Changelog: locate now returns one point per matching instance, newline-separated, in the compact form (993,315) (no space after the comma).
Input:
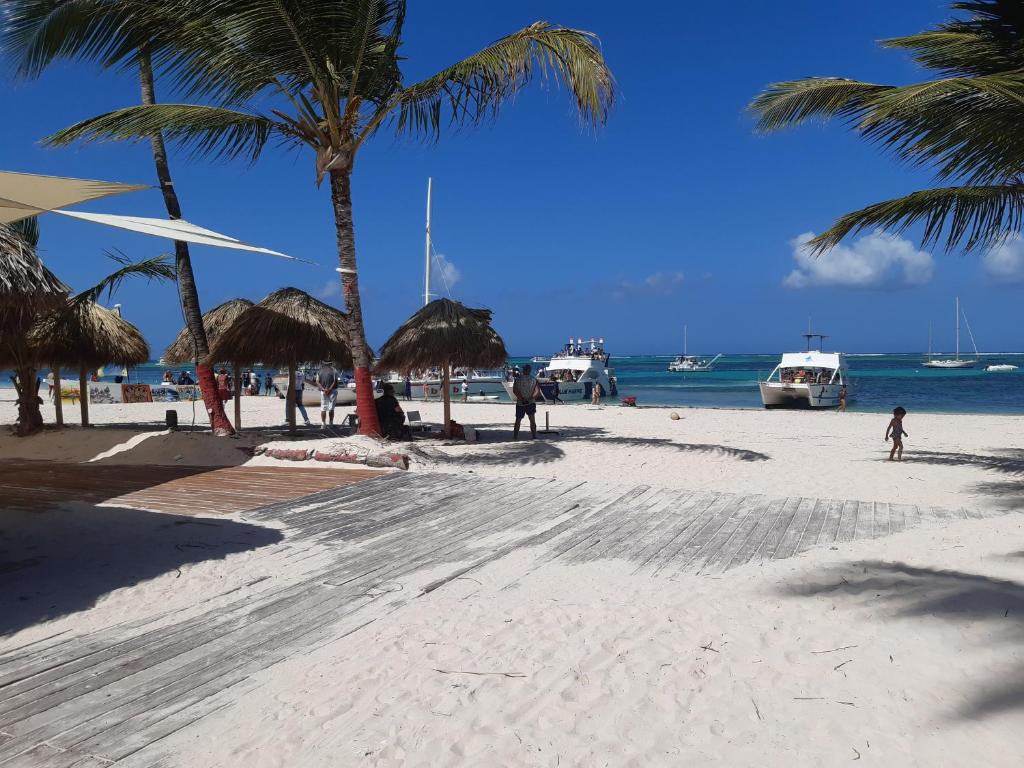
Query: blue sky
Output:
(676,212)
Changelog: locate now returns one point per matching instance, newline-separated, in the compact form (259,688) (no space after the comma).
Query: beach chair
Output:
(415,422)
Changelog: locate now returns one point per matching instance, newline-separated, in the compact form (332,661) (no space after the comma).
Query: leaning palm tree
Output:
(116,33)
(327,76)
(965,124)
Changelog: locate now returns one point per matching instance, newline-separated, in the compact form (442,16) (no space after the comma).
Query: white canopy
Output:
(813,359)
(172,229)
(27,194)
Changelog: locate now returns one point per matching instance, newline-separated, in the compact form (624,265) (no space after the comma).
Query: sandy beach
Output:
(897,650)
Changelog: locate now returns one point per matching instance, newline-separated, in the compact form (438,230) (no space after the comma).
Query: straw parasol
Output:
(215,322)
(286,329)
(445,333)
(27,288)
(83,335)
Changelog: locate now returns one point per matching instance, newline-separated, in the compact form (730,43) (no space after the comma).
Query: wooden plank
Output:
(849,522)
(694,535)
(750,548)
(723,554)
(790,542)
(674,537)
(732,520)
(881,520)
(778,531)
(816,525)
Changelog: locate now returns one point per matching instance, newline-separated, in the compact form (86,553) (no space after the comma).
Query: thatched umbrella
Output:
(445,333)
(215,322)
(287,328)
(27,288)
(84,335)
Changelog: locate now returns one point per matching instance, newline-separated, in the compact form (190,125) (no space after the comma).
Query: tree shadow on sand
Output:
(497,446)
(63,560)
(957,596)
(1009,495)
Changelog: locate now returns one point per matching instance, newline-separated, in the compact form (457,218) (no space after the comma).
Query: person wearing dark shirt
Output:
(390,414)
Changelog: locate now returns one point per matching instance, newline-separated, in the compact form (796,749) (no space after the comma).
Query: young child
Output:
(896,428)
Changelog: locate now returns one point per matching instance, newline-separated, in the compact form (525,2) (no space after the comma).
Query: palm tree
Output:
(965,124)
(327,76)
(128,33)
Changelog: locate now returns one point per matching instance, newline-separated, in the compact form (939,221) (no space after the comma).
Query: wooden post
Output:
(83,396)
(290,401)
(238,399)
(446,386)
(57,404)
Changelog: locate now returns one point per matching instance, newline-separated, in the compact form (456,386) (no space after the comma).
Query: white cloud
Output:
(878,260)
(1005,262)
(443,273)
(659,283)
(330,289)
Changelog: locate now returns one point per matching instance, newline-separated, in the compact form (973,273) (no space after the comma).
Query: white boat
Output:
(685,363)
(539,359)
(1000,368)
(809,379)
(576,369)
(426,385)
(956,361)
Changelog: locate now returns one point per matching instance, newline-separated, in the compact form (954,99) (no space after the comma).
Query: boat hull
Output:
(949,364)
(800,396)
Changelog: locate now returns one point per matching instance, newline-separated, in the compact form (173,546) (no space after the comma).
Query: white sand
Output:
(628,670)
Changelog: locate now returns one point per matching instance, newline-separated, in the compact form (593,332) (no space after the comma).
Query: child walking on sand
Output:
(896,429)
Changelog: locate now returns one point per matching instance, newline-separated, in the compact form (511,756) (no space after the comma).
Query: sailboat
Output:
(954,362)
(685,363)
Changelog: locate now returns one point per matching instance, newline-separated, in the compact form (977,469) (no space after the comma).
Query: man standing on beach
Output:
(525,389)
(327,383)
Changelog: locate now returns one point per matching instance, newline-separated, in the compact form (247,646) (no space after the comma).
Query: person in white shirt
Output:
(465,391)
(300,385)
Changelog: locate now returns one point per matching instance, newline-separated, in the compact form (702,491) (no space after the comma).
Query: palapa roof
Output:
(215,322)
(82,334)
(287,328)
(444,332)
(26,285)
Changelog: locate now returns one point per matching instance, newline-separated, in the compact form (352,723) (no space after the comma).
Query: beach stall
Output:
(183,349)
(27,288)
(444,333)
(288,328)
(85,336)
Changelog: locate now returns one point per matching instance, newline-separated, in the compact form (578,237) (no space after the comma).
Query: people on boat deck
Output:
(525,388)
(895,428)
(390,414)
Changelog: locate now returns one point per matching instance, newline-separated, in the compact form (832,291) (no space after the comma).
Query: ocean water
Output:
(879,383)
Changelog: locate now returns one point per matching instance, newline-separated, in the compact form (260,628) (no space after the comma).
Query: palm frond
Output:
(27,230)
(155,268)
(474,89)
(793,102)
(202,130)
(975,217)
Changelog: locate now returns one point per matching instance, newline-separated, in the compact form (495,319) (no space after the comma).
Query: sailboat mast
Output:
(929,339)
(426,250)
(684,341)
(957,327)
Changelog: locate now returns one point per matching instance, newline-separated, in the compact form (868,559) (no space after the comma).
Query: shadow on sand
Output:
(955,596)
(498,447)
(62,560)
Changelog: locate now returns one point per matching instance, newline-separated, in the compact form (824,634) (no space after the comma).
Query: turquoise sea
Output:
(879,383)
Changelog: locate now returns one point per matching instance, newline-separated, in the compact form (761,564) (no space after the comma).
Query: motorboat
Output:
(956,361)
(574,371)
(1000,368)
(539,359)
(808,379)
(427,385)
(686,363)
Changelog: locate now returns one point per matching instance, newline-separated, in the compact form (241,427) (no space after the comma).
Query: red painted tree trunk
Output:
(341,199)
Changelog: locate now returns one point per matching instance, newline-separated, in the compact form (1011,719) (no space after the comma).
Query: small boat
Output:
(953,362)
(1000,368)
(539,359)
(808,379)
(574,371)
(685,363)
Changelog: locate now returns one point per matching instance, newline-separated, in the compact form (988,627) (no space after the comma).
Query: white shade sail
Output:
(173,229)
(28,194)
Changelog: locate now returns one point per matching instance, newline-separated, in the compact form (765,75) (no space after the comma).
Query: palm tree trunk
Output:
(446,385)
(186,279)
(341,199)
(83,395)
(30,418)
(238,398)
(58,406)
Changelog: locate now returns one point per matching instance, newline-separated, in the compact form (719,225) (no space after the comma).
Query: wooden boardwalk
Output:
(114,695)
(32,485)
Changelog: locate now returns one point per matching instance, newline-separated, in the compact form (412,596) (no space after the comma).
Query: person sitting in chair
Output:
(390,415)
